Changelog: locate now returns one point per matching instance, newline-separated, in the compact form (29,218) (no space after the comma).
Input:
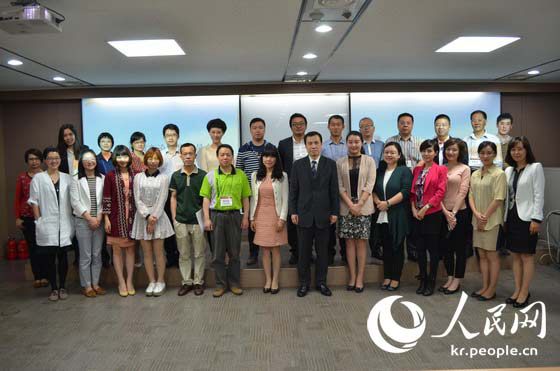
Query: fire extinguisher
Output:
(22,250)
(12,249)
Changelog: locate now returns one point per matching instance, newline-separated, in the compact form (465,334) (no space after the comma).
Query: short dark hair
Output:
(405,114)
(485,144)
(257,119)
(504,116)
(479,111)
(82,170)
(270,151)
(460,144)
(32,151)
(296,115)
(335,117)
(443,116)
(173,127)
(153,152)
(185,145)
(50,149)
(121,150)
(137,135)
(312,134)
(400,162)
(105,135)
(223,145)
(429,143)
(216,123)
(530,157)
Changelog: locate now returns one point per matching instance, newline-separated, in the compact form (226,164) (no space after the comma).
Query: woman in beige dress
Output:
(207,158)
(486,199)
(269,212)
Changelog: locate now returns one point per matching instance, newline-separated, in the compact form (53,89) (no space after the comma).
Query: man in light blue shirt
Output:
(372,147)
(335,147)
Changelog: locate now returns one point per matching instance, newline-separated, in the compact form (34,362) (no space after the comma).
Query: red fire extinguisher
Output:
(12,249)
(22,250)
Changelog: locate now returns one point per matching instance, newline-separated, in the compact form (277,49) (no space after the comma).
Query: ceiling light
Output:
(323,28)
(147,48)
(474,44)
(534,72)
(15,62)
(59,78)
(301,73)
(310,56)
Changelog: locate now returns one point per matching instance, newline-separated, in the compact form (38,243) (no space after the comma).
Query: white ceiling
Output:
(248,41)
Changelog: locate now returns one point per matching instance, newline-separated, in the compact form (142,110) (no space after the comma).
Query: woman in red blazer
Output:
(428,188)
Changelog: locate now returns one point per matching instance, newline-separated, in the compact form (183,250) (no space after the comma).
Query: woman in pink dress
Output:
(269,211)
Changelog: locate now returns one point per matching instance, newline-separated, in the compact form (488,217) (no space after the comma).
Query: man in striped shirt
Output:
(248,160)
(410,144)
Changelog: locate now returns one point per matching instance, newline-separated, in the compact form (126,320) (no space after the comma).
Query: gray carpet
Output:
(254,331)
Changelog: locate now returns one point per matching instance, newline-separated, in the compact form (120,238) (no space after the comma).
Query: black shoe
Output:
(324,290)
(383,287)
(391,288)
(266,290)
(359,290)
(350,287)
(522,305)
(484,298)
(475,294)
(275,291)
(442,289)
(429,290)
(422,286)
(451,292)
(302,291)
(510,300)
(293,260)
(252,260)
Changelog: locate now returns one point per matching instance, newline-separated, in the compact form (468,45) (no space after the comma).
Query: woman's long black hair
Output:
(270,151)
(401,161)
(62,145)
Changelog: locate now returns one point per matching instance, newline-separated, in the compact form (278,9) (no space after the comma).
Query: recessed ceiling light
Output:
(301,73)
(59,78)
(323,28)
(310,56)
(15,62)
(474,44)
(534,72)
(147,48)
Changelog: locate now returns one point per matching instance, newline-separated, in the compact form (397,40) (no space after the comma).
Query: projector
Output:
(31,19)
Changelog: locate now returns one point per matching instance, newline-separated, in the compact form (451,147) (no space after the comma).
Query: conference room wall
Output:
(35,123)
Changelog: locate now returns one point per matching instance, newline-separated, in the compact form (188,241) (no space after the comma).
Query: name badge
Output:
(226,201)
(408,163)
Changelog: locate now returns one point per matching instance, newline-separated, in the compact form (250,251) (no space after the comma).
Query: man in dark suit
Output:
(292,149)
(314,206)
(442,126)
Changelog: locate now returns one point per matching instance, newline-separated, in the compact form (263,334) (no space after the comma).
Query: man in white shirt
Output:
(479,135)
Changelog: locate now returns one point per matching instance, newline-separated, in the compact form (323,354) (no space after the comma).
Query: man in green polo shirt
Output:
(185,203)
(226,191)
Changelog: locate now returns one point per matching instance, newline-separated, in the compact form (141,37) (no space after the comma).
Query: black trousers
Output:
(393,256)
(293,237)
(427,233)
(253,249)
(375,240)
(170,243)
(332,243)
(57,265)
(307,237)
(453,245)
(38,266)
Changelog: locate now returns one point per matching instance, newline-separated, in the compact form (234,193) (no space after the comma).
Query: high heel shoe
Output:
(484,298)
(266,290)
(275,291)
(451,292)
(511,300)
(359,290)
(522,305)
(475,294)
(391,288)
(350,287)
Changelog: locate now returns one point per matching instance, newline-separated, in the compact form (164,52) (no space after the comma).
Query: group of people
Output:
(438,197)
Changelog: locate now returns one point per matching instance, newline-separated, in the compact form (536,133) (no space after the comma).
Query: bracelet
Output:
(388,203)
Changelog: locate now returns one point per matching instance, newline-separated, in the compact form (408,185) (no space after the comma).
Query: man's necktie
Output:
(314,168)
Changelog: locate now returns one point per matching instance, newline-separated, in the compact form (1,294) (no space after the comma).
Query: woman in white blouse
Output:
(523,216)
(151,224)
(49,198)
(86,197)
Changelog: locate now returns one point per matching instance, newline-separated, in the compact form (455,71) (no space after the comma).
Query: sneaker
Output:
(159,289)
(150,289)
(53,296)
(236,290)
(62,294)
(218,292)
